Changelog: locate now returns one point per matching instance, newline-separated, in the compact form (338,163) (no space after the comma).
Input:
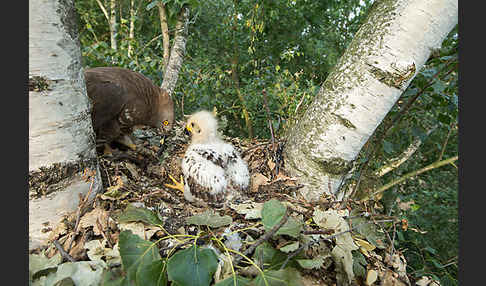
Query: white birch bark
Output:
(384,56)
(60,129)
(171,74)
(164,27)
(131,29)
(113,28)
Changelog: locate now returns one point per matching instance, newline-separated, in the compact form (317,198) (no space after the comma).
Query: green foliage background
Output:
(288,48)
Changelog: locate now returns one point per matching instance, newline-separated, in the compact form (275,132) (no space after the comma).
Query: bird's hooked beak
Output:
(164,127)
(187,130)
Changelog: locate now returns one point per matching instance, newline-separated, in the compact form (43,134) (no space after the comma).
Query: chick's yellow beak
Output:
(188,127)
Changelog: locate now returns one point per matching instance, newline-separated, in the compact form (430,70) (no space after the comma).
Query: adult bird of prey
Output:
(212,169)
(122,99)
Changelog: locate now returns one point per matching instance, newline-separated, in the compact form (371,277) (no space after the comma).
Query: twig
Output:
(318,231)
(64,254)
(417,172)
(256,146)
(98,224)
(396,162)
(264,237)
(268,234)
(445,144)
(270,125)
(81,204)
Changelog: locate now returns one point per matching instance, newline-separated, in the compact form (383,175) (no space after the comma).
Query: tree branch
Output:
(415,173)
(103,9)
(165,32)
(394,163)
(445,144)
(113,24)
(171,74)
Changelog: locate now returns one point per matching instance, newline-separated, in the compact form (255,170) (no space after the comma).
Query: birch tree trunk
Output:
(381,61)
(131,31)
(171,74)
(113,28)
(61,137)
(164,27)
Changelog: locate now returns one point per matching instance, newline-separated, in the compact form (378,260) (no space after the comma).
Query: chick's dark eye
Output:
(192,124)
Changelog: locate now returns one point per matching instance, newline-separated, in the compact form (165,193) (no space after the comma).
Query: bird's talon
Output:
(177,185)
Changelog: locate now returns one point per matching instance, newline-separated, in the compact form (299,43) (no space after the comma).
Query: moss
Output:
(38,83)
(50,179)
(396,79)
(335,166)
(345,122)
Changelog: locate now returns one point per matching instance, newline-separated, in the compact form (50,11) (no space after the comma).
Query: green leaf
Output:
(311,263)
(230,281)
(133,213)
(153,274)
(283,277)
(111,279)
(419,132)
(272,213)
(136,253)
(444,118)
(209,218)
(272,258)
(38,262)
(370,231)
(290,247)
(291,227)
(79,273)
(387,147)
(192,266)
(431,250)
(359,264)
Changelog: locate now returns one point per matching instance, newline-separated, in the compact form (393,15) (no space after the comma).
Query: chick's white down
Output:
(212,164)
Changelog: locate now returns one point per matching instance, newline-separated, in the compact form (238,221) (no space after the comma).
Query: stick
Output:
(417,172)
(81,204)
(98,224)
(64,254)
(264,237)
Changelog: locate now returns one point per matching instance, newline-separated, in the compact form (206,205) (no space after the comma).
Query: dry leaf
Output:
(257,179)
(371,277)
(332,219)
(424,281)
(250,210)
(89,219)
(364,246)
(388,279)
(271,164)
(133,170)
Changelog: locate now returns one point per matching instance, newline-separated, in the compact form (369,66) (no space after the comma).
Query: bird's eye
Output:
(165,122)
(192,124)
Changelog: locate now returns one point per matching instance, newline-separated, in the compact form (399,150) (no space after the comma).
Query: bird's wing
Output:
(203,168)
(237,169)
(108,98)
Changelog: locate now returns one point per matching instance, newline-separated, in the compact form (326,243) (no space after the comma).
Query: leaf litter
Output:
(140,231)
